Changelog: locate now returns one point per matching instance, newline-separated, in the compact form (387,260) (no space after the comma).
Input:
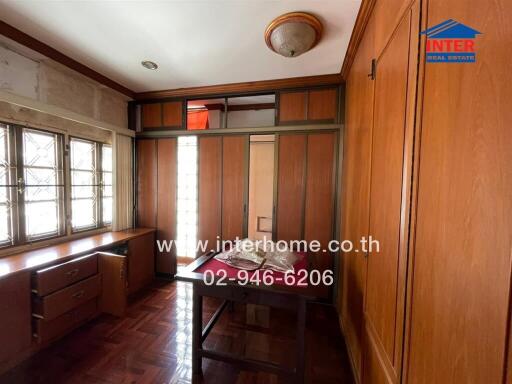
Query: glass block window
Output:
(187,196)
(106,182)
(42,185)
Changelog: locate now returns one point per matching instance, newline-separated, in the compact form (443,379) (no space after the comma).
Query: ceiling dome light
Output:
(149,64)
(293,33)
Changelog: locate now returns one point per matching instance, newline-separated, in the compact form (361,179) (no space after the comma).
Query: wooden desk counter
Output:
(42,257)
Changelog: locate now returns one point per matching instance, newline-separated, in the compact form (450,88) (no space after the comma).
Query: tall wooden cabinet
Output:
(156,195)
(426,171)
(223,170)
(305,191)
(462,256)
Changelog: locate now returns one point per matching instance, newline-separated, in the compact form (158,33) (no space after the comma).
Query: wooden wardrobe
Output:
(156,194)
(306,179)
(223,170)
(427,172)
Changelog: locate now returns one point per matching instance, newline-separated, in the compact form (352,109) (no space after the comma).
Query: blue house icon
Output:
(450,29)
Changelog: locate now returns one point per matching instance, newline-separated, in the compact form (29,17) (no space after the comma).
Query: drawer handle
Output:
(72,273)
(78,294)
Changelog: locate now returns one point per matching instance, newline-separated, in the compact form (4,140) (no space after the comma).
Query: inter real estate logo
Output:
(450,42)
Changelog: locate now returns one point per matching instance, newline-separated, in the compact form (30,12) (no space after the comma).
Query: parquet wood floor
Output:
(152,344)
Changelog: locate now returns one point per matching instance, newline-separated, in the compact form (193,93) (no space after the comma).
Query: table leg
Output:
(301,336)
(197,329)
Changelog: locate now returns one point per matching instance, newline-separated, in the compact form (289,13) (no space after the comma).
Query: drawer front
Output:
(60,302)
(52,279)
(48,330)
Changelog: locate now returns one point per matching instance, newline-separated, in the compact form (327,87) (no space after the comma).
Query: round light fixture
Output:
(149,64)
(293,33)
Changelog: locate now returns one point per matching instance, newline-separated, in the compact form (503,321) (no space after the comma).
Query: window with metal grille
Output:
(91,184)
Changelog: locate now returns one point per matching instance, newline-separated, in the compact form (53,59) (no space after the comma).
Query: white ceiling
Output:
(195,43)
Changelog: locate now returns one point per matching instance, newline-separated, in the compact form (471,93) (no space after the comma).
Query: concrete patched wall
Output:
(44,80)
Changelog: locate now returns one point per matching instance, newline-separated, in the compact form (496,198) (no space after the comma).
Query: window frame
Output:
(98,186)
(15,180)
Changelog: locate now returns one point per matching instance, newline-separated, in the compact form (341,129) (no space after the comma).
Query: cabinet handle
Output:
(72,273)
(78,294)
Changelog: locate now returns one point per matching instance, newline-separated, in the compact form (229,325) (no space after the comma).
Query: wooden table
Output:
(277,296)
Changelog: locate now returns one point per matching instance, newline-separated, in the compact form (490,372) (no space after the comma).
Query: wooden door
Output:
(141,262)
(460,303)
(357,144)
(234,186)
(385,297)
(166,202)
(319,199)
(210,190)
(146,183)
(291,183)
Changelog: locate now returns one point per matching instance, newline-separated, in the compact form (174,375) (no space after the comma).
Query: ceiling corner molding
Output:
(245,87)
(44,49)
(362,19)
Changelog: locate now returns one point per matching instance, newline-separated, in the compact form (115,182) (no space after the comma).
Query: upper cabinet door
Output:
(172,114)
(291,185)
(160,116)
(385,271)
(234,186)
(146,183)
(309,106)
(151,115)
(293,106)
(210,190)
(322,105)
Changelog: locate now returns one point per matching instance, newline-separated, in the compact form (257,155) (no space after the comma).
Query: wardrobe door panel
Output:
(319,204)
(355,185)
(384,273)
(210,190)
(291,186)
(166,196)
(460,302)
(234,177)
(147,181)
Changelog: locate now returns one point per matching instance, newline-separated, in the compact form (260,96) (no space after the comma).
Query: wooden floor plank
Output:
(152,344)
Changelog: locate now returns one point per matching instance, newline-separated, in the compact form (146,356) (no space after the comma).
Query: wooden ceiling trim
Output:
(245,87)
(44,49)
(357,33)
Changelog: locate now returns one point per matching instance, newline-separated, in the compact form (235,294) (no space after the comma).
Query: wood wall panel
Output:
(356,196)
(234,174)
(462,257)
(210,189)
(322,104)
(166,202)
(319,200)
(146,183)
(291,186)
(172,114)
(151,115)
(293,106)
